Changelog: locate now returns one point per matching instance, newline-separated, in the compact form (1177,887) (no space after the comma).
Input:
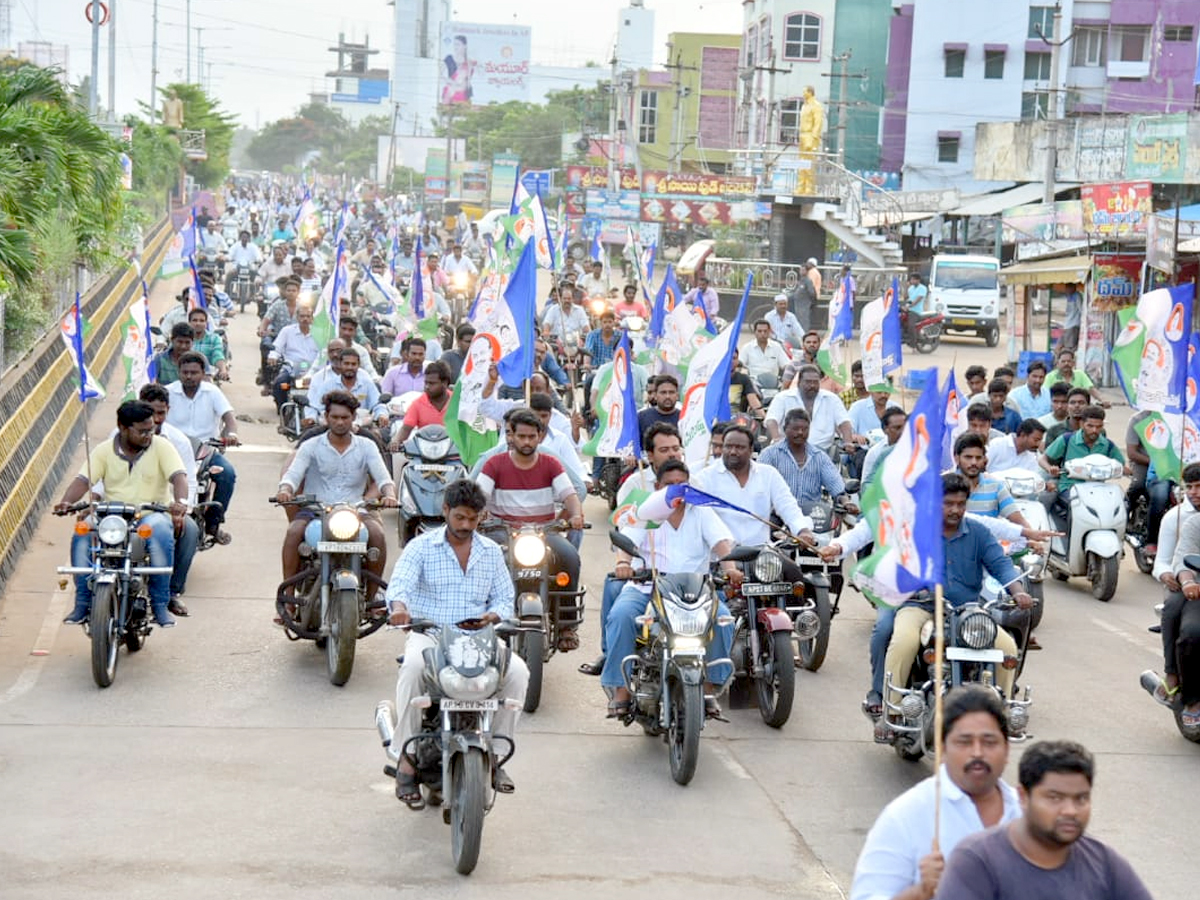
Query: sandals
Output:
(593,668)
(619,709)
(501,782)
(408,791)
(1190,718)
(873,705)
(1157,688)
(712,709)
(568,640)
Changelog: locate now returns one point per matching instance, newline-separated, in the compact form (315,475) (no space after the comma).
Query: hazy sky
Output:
(268,54)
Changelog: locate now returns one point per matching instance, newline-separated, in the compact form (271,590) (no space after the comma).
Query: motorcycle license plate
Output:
(527,574)
(966,654)
(757,590)
(469,705)
(962,322)
(341,546)
(433,467)
(810,561)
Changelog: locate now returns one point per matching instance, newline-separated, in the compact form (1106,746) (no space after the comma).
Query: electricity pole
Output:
(843,105)
(612,125)
(112,60)
(1053,109)
(681,91)
(187,36)
(154,65)
(94,88)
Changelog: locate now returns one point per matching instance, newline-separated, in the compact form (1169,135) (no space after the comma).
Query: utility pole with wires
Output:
(677,69)
(1053,107)
(612,124)
(769,132)
(112,60)
(154,65)
(843,106)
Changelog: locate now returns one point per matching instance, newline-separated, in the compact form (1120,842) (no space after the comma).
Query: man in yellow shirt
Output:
(136,467)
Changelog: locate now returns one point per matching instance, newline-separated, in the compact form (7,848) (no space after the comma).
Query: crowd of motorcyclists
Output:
(798,439)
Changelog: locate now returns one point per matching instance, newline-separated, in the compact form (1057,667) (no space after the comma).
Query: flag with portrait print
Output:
(616,408)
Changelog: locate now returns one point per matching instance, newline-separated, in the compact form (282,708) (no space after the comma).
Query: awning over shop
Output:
(1192,246)
(994,204)
(1049,271)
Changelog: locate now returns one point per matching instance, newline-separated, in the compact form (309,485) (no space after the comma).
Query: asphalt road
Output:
(223,764)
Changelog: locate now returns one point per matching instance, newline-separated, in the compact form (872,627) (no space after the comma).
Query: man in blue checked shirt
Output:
(447,576)
(806,469)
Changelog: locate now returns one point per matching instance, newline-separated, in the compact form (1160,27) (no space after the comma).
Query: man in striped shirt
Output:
(805,468)
(523,486)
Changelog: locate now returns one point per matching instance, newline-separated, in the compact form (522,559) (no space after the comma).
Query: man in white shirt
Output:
(898,861)
(684,542)
(1018,450)
(276,267)
(785,327)
(754,487)
(763,355)
(825,410)
(565,319)
(200,410)
(594,284)
(456,262)
(297,347)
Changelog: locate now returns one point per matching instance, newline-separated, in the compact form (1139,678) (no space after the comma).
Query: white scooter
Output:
(1095,530)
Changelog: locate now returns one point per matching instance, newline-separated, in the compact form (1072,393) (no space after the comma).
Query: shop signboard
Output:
(1116,210)
(1157,148)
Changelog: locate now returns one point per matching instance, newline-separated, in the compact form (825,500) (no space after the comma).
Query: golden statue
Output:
(812,123)
(172,112)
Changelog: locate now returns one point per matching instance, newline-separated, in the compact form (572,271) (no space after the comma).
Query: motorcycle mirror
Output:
(385,398)
(852,486)
(1192,561)
(624,544)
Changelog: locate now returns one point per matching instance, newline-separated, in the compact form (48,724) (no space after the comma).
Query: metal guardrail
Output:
(771,278)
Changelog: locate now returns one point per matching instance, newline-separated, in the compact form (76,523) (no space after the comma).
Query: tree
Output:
(319,128)
(156,159)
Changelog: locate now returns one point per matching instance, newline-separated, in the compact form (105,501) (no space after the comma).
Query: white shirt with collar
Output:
(198,417)
(765,492)
(759,361)
(903,834)
(1002,454)
(828,412)
(1168,537)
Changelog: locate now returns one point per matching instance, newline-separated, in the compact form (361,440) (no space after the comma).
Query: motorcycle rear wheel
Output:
(813,650)
(105,630)
(776,692)
(1103,573)
(468,784)
(343,635)
(1145,563)
(683,732)
(531,646)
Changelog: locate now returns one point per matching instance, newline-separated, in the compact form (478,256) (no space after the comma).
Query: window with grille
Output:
(802,37)
(647,117)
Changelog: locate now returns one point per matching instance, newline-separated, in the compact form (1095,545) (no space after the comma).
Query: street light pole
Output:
(94,88)
(187,36)
(154,64)
(112,60)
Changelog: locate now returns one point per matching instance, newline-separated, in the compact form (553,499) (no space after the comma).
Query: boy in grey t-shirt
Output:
(1044,855)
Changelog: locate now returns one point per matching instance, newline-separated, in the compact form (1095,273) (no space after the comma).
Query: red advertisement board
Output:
(1116,209)
(596,178)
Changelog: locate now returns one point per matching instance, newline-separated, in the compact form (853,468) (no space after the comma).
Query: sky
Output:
(267,55)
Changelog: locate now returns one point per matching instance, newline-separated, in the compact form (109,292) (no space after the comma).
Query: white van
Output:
(966,290)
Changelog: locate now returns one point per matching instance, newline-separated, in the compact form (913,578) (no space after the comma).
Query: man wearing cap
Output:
(785,327)
(805,294)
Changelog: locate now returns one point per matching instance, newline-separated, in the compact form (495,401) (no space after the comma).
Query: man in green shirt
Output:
(1066,372)
(166,364)
(208,342)
(1088,439)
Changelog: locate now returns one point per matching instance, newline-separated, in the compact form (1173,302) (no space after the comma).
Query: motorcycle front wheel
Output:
(343,635)
(531,646)
(813,650)
(105,635)
(927,344)
(468,785)
(1102,573)
(777,686)
(683,733)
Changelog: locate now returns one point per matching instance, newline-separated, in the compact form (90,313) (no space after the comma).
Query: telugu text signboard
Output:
(1116,210)
(1157,148)
(482,64)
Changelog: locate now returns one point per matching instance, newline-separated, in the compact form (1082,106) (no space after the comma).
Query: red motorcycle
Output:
(925,333)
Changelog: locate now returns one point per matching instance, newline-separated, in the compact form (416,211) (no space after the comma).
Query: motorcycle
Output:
(455,752)
(544,605)
(667,672)
(970,658)
(762,633)
(242,287)
(431,463)
(291,413)
(768,387)
(206,490)
(337,600)
(118,577)
(1094,526)
(1138,533)
(569,351)
(1192,561)
(268,295)
(812,612)
(461,294)
(924,334)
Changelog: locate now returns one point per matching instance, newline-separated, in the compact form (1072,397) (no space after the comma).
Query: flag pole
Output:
(939,653)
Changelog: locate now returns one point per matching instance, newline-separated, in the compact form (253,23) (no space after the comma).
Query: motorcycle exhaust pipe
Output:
(385,723)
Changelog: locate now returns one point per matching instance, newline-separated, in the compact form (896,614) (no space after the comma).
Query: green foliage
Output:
(156,159)
(319,129)
(406,179)
(203,113)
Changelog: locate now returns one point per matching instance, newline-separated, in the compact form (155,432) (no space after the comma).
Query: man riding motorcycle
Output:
(297,348)
(335,468)
(806,470)
(683,542)
(352,380)
(450,575)
(243,253)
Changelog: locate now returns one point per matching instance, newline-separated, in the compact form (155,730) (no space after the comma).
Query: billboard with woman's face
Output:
(482,64)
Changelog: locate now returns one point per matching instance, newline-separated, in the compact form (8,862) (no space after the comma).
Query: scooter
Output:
(431,464)
(1094,523)
(1026,487)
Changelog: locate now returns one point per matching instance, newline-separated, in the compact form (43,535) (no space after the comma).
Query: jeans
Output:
(906,639)
(1181,644)
(223,483)
(612,587)
(622,633)
(186,543)
(162,553)
(881,635)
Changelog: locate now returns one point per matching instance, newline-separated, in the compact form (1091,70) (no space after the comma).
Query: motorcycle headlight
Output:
(112,530)
(768,567)
(686,622)
(529,550)
(344,524)
(457,686)
(977,630)
(434,449)
(597,307)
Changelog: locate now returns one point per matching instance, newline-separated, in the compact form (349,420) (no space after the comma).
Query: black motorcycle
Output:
(546,605)
(456,752)
(337,601)
(118,579)
(241,287)
(206,490)
(431,464)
